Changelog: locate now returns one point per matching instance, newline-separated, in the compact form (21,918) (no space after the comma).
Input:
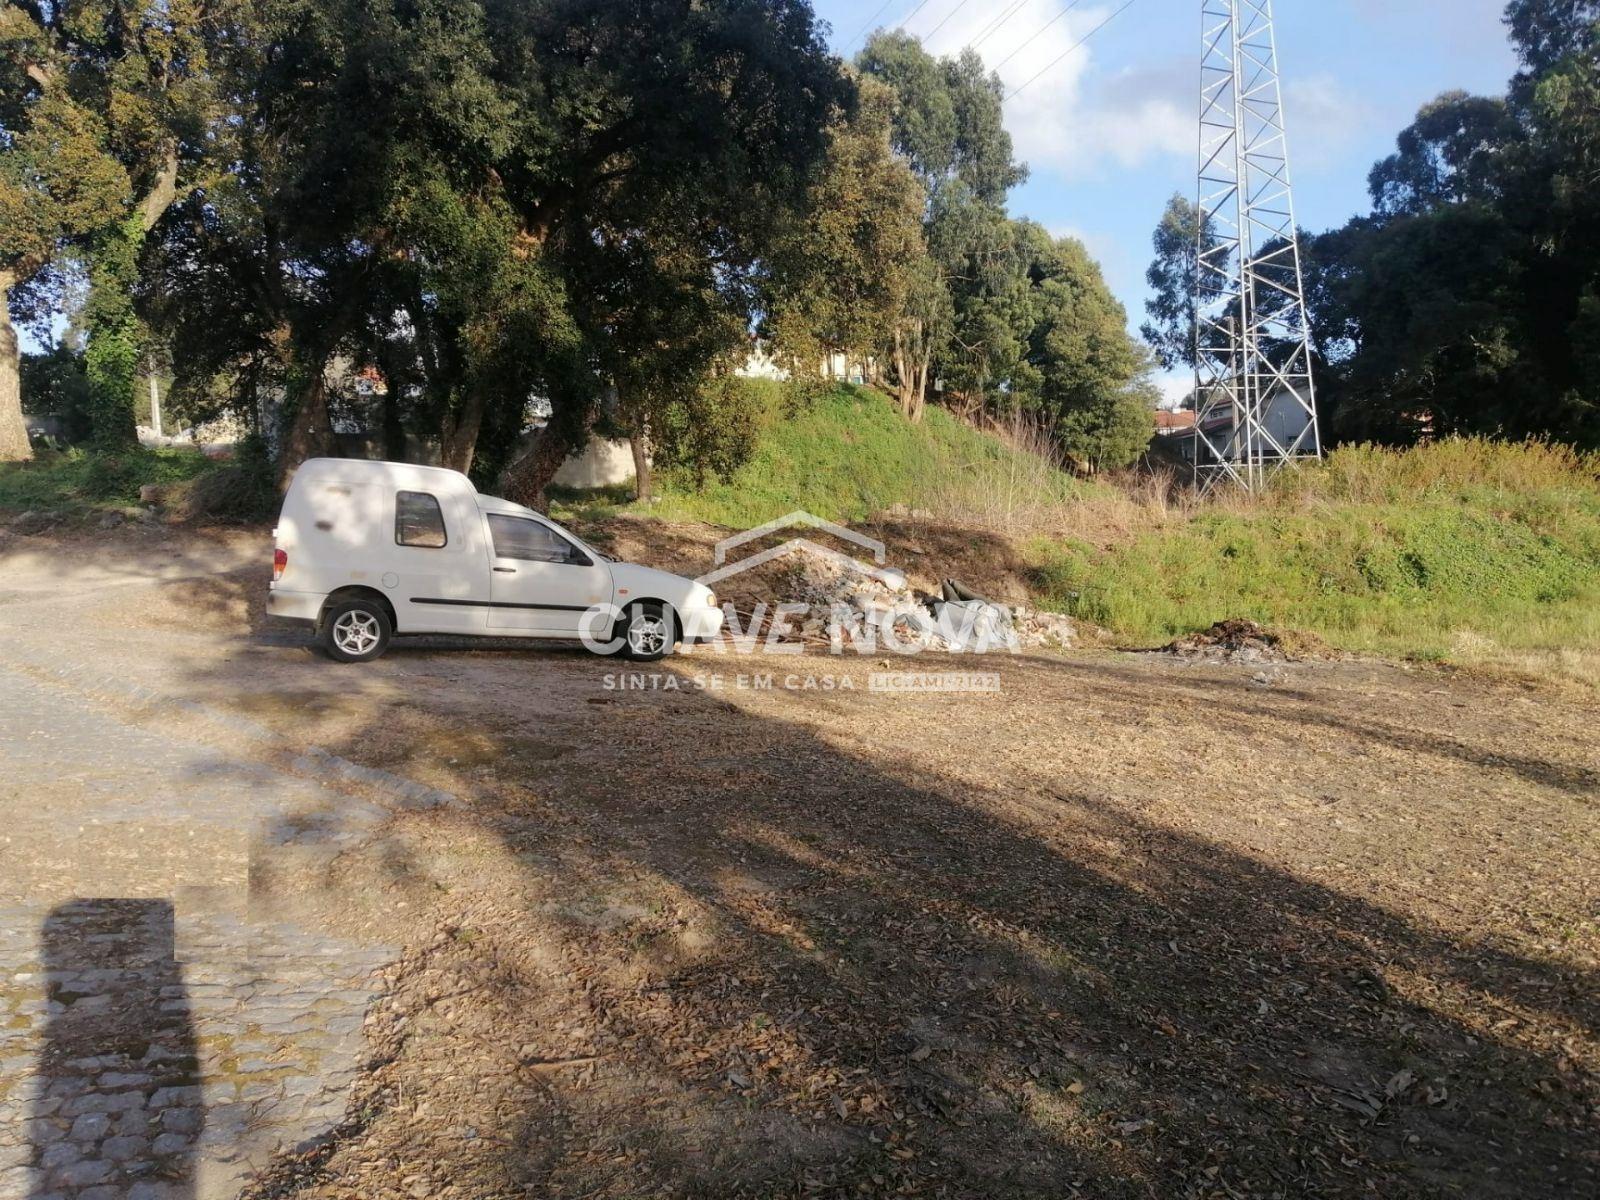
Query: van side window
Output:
(418,520)
(518,537)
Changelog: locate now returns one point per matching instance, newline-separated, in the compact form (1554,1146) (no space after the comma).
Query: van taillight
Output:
(280,563)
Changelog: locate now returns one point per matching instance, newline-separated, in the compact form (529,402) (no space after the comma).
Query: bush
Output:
(714,432)
(240,491)
(1465,469)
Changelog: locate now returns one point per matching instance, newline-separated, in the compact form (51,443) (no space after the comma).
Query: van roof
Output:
(354,470)
(376,469)
(496,505)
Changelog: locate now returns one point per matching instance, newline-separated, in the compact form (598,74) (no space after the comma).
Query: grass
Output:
(847,455)
(1465,550)
(76,482)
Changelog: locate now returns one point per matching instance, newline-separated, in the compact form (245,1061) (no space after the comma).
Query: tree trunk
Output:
(394,429)
(639,443)
(311,432)
(911,367)
(155,397)
(459,435)
(308,435)
(525,479)
(112,358)
(14,445)
(902,373)
(919,393)
(574,406)
(163,191)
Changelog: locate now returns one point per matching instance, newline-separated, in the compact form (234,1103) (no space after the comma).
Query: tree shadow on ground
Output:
(714,952)
(1578,779)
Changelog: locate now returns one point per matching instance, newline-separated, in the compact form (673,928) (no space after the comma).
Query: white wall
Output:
(758,364)
(603,463)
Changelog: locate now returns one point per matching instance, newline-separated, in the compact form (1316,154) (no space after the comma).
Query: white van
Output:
(366,550)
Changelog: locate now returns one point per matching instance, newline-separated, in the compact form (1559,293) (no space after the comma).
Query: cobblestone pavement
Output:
(163,1031)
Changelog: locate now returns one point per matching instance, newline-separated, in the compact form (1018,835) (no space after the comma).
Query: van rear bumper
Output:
(295,606)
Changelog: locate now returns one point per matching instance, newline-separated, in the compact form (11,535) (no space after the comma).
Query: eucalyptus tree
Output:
(840,271)
(948,126)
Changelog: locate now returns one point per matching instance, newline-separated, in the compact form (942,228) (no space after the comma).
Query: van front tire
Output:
(649,631)
(355,631)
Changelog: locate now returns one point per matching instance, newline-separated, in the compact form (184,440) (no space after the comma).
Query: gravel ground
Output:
(1128,926)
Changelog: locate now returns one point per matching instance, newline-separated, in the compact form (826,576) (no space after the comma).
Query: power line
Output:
(1030,41)
(1033,79)
(906,20)
(994,25)
(870,22)
(946,20)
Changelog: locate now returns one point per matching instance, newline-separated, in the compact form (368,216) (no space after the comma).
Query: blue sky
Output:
(1110,132)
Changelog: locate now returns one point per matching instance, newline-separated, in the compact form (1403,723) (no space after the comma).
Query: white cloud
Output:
(1077,121)
(1175,387)
(1070,120)
(1100,245)
(1323,120)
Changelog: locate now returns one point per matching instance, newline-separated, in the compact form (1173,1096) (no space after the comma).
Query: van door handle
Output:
(506,570)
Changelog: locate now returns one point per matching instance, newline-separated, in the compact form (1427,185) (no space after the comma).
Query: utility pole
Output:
(155,397)
(1255,400)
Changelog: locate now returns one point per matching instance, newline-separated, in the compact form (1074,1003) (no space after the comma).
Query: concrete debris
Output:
(842,598)
(32,522)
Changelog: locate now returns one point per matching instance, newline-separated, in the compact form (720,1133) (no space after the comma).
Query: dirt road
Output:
(1129,927)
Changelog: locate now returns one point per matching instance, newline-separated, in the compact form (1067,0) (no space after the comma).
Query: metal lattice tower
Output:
(1255,402)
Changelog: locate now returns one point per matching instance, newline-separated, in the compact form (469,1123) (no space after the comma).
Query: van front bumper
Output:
(701,624)
(294,606)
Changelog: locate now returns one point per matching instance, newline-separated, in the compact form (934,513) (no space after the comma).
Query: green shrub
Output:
(714,432)
(81,478)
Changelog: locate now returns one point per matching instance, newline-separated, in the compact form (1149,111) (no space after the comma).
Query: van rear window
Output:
(418,520)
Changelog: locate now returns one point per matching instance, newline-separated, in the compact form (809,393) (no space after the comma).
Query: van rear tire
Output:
(355,631)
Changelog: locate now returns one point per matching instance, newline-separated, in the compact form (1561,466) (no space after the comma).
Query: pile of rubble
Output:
(839,591)
(1235,640)
(1043,628)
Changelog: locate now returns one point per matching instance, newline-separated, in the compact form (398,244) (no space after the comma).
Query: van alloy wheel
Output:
(647,634)
(650,631)
(356,632)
